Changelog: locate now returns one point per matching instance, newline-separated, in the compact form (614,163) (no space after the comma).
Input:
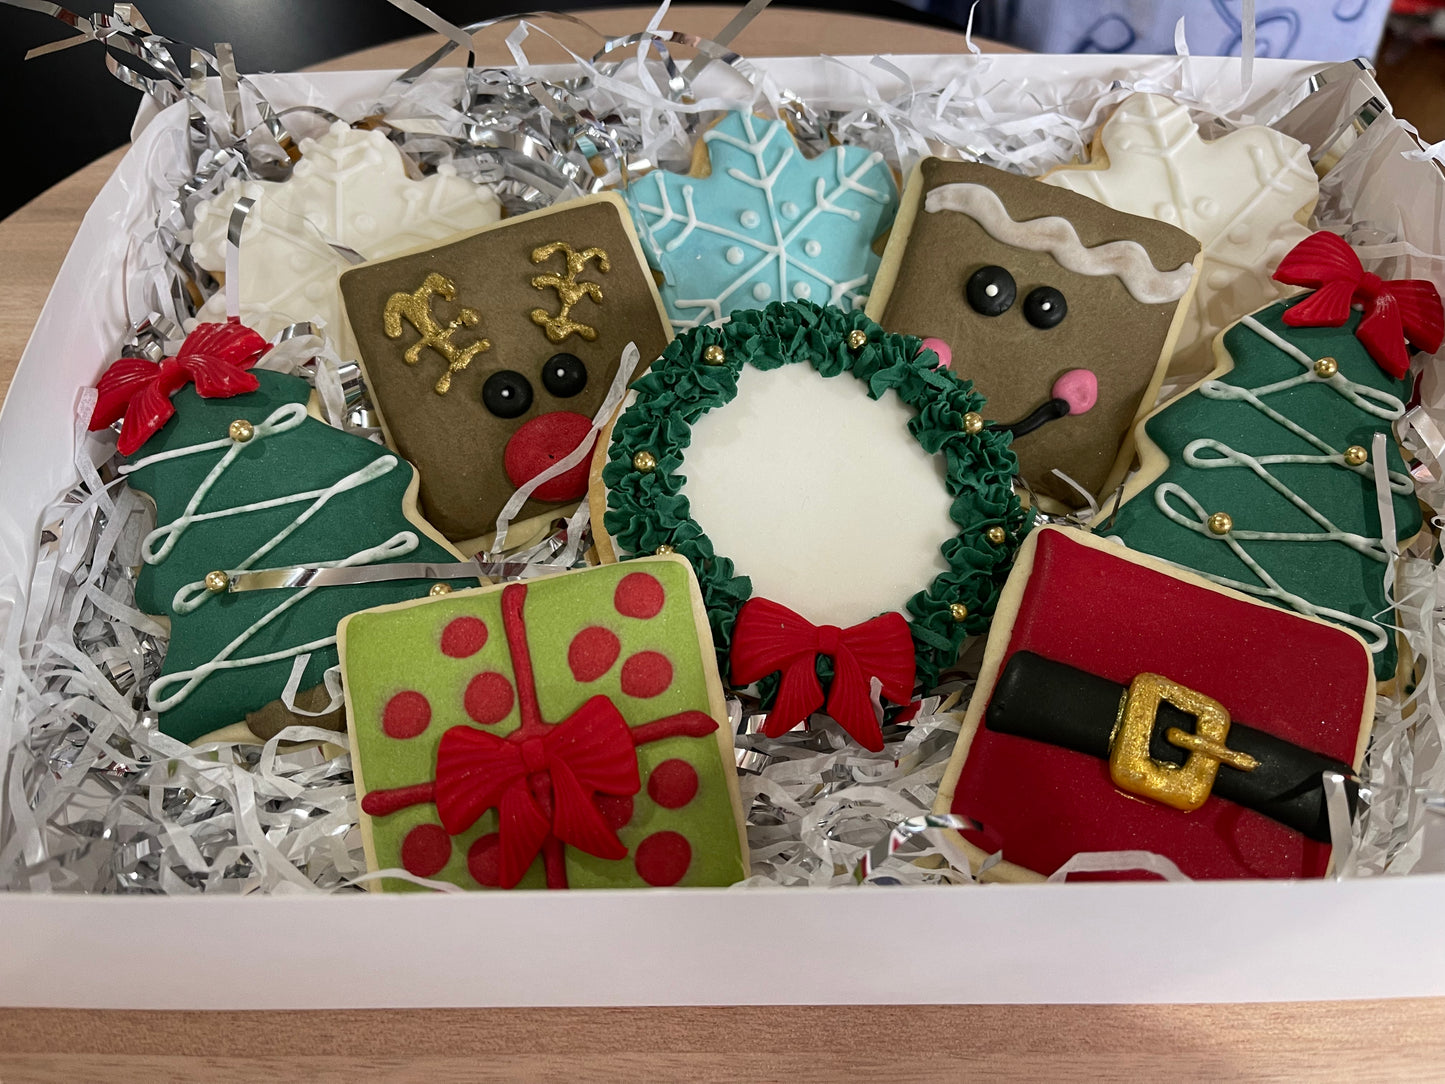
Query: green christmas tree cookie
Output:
(1262,479)
(564,732)
(252,482)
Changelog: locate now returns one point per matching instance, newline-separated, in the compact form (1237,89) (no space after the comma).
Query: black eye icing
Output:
(990,291)
(564,375)
(507,394)
(1045,307)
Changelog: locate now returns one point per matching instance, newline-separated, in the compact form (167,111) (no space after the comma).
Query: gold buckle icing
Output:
(1183,786)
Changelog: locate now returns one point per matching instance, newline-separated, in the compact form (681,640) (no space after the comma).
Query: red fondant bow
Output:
(591,751)
(1405,310)
(770,637)
(214,356)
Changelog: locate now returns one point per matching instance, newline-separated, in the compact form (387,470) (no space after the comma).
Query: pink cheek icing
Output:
(945,355)
(1077,387)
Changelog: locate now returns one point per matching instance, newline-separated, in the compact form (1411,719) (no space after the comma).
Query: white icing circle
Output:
(1241,234)
(789,209)
(991,289)
(1218,279)
(762,291)
(819,494)
(749,219)
(813,248)
(1166,212)
(802,291)
(1206,207)
(733,255)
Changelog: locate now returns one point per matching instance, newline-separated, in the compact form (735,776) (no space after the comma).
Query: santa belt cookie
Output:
(1165,742)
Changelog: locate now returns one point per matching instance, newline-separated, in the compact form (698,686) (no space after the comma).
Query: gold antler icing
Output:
(415,308)
(569,291)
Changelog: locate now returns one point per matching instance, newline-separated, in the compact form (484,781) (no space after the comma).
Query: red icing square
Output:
(1270,668)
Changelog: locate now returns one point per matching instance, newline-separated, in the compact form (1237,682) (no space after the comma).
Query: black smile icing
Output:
(1050,410)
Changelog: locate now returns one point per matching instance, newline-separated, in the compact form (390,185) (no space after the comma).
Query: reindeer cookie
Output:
(487,357)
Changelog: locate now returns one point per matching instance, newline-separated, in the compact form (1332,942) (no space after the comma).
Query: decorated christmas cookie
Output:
(488,357)
(818,472)
(1247,196)
(1026,284)
(1127,705)
(755,222)
(565,732)
(349,188)
(245,481)
(1262,477)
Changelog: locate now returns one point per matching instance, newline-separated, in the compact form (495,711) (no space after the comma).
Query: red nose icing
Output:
(543,441)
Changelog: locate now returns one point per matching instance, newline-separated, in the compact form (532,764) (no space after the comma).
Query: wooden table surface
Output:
(1368,1040)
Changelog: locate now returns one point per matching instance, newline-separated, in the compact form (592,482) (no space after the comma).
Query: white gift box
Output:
(1235,941)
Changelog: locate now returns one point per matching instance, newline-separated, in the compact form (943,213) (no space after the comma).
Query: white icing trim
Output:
(192,596)
(1381,404)
(1128,261)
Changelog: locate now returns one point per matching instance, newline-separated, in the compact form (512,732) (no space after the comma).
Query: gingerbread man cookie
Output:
(1025,284)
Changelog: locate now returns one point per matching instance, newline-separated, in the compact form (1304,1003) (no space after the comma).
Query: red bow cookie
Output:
(214,357)
(770,637)
(1396,312)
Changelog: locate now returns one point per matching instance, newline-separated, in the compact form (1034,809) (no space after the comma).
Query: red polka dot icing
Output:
(662,858)
(426,850)
(488,698)
(484,860)
(463,636)
(646,674)
(672,784)
(406,715)
(639,595)
(592,653)
(616,809)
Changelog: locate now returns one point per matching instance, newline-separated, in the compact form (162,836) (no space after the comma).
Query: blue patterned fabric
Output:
(1301,29)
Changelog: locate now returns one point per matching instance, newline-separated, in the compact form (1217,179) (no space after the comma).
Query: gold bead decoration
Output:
(439,589)
(644,461)
(972,423)
(241,431)
(664,549)
(1326,368)
(996,535)
(857,339)
(958,611)
(1221,523)
(217,582)
(714,355)
(1355,455)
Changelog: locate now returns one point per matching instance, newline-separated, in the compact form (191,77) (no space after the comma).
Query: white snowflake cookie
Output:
(1247,196)
(350,187)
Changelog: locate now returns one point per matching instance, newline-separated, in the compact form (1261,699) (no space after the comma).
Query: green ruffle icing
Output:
(647,510)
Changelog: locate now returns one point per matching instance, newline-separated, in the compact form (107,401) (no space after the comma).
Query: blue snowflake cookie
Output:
(765,225)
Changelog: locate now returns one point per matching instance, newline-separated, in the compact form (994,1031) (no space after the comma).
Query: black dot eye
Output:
(564,375)
(990,291)
(1045,307)
(507,394)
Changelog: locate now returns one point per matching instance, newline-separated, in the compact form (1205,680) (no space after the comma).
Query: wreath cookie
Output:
(809,507)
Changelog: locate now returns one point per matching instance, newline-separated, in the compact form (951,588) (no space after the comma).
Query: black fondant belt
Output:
(1165,742)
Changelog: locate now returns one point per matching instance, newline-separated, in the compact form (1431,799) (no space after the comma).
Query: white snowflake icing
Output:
(1241,195)
(766,225)
(350,187)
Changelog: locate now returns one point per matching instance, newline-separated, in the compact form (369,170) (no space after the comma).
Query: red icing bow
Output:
(1405,310)
(770,637)
(591,751)
(214,356)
